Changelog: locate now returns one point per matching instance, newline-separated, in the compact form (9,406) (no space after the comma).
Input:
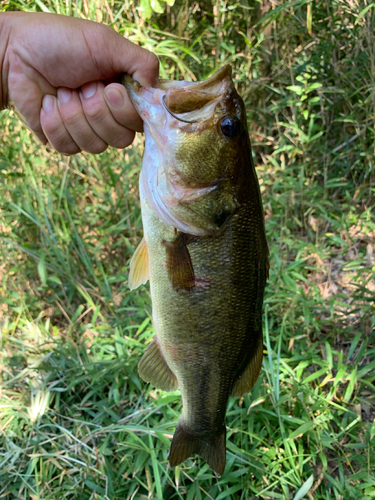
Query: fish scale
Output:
(206,282)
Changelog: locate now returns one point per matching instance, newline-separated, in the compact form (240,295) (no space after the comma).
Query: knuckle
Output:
(52,126)
(61,141)
(71,116)
(95,112)
(58,137)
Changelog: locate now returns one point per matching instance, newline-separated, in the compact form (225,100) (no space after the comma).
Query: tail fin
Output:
(211,448)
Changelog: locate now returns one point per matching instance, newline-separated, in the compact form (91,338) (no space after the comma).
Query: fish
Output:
(204,251)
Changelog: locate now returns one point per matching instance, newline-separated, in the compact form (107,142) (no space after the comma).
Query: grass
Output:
(76,421)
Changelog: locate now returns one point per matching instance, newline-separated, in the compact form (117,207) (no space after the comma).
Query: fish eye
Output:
(230,126)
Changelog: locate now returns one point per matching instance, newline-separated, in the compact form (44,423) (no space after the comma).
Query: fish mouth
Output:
(189,102)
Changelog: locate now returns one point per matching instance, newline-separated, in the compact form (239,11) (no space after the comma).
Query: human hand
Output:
(56,72)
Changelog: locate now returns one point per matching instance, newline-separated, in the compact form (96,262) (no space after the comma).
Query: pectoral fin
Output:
(179,265)
(154,369)
(139,270)
(249,376)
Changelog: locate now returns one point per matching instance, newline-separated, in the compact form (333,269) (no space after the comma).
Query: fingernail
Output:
(88,90)
(64,95)
(114,97)
(48,103)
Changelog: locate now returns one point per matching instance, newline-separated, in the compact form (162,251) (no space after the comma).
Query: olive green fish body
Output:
(209,333)
(207,283)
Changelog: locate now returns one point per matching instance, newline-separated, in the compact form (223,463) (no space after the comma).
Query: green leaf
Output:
(301,430)
(54,279)
(305,488)
(155,467)
(313,86)
(315,375)
(17,309)
(354,344)
(156,7)
(42,271)
(43,7)
(145,9)
(229,491)
(351,386)
(298,89)
(363,12)
(95,487)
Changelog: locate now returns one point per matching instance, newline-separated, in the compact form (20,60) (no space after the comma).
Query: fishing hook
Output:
(175,116)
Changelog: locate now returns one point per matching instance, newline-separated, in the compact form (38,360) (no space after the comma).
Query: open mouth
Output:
(187,102)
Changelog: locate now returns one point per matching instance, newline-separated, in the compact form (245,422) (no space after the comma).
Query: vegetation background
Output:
(76,421)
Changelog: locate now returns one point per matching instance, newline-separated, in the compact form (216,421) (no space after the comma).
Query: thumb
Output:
(125,57)
(141,64)
(146,73)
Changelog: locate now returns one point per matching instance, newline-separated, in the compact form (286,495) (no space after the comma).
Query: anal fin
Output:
(250,374)
(154,369)
(139,268)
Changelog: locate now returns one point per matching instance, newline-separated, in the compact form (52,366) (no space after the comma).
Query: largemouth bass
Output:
(204,251)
